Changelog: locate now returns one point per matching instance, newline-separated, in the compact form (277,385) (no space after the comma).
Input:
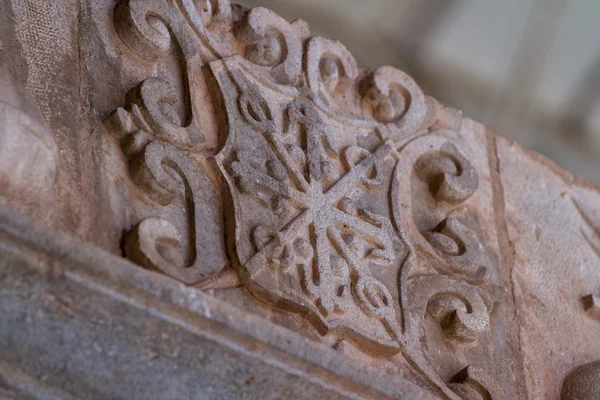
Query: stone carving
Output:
(293,199)
(455,305)
(450,176)
(193,250)
(309,244)
(272,43)
(191,261)
(306,221)
(312,187)
(460,296)
(460,248)
(583,383)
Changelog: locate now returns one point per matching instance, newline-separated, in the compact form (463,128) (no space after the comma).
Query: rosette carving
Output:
(312,249)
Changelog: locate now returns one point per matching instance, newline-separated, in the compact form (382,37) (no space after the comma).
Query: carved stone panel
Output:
(236,158)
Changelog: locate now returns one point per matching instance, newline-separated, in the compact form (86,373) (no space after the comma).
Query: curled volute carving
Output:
(392,97)
(189,253)
(450,176)
(471,383)
(450,179)
(145,27)
(331,69)
(451,285)
(461,249)
(151,104)
(457,306)
(271,42)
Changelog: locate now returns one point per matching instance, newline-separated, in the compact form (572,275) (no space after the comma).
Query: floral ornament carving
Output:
(311,184)
(312,247)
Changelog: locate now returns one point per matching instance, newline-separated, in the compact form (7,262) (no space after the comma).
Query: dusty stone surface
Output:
(228,150)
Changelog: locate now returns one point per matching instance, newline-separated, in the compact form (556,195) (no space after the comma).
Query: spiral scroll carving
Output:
(155,99)
(164,173)
(393,97)
(271,42)
(330,68)
(457,306)
(450,176)
(460,248)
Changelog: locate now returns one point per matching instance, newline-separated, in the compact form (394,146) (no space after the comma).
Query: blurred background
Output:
(529,69)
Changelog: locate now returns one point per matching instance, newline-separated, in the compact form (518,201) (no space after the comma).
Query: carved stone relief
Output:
(246,159)
(336,195)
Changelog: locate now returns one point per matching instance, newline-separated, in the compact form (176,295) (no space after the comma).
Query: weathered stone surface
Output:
(312,228)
